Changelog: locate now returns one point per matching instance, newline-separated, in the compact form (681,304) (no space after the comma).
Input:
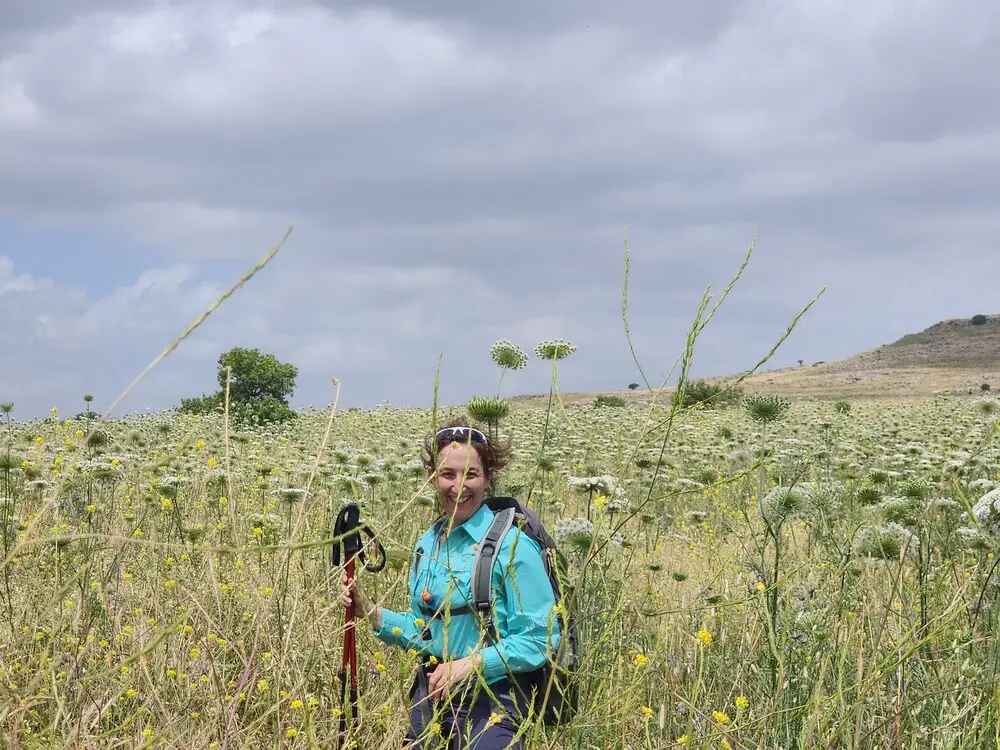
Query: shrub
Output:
(609,400)
(710,394)
(978,320)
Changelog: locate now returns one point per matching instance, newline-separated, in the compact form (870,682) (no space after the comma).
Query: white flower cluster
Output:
(508,355)
(886,542)
(576,531)
(102,470)
(784,504)
(554,349)
(987,512)
(290,494)
(606,485)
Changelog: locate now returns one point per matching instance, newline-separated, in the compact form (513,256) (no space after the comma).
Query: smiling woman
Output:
(464,687)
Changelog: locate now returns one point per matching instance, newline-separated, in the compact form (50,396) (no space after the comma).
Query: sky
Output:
(458,173)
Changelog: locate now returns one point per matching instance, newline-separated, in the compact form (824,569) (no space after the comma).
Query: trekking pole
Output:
(347,545)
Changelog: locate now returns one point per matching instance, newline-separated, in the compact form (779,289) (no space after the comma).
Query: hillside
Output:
(951,356)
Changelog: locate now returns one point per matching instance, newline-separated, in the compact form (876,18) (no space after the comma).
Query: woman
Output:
(467,688)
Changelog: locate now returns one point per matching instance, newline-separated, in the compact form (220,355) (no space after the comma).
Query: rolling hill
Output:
(952,356)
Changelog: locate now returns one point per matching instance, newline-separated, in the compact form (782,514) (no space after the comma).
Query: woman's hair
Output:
(493,455)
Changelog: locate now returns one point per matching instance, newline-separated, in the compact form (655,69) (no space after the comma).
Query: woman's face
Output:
(460,481)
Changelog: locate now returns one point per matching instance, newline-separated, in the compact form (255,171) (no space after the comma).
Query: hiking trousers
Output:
(465,722)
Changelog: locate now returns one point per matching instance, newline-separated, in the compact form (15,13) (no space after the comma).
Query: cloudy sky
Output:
(462,172)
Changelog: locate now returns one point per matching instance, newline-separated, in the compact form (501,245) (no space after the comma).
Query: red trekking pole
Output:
(347,534)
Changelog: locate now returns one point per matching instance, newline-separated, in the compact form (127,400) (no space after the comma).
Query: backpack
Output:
(555,691)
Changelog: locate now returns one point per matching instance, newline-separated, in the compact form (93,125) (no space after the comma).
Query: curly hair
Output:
(494,456)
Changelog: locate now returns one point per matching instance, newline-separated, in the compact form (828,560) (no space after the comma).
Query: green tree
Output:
(259,387)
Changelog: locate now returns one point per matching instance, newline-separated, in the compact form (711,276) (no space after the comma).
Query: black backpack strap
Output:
(482,569)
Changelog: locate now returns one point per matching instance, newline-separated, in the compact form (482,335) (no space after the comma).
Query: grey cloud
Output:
(501,151)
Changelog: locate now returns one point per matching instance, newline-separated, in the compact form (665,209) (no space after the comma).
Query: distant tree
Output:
(984,387)
(978,320)
(259,388)
(801,362)
(633,386)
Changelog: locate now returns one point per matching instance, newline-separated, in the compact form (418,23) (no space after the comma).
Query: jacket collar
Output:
(475,527)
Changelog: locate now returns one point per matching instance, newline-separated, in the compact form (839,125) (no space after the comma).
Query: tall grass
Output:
(170,582)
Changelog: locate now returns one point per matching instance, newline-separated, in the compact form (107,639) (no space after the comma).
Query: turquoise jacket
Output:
(524,605)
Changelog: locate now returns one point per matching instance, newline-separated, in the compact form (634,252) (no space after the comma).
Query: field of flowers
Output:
(769,574)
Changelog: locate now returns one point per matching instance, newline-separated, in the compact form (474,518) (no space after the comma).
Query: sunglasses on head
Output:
(467,434)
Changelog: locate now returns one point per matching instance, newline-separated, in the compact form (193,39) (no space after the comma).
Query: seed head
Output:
(554,349)
(508,355)
(766,408)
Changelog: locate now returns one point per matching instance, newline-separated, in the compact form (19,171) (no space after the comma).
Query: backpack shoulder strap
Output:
(482,569)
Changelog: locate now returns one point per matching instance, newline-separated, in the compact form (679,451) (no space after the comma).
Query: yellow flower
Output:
(292,731)
(640,660)
(436,728)
(682,740)
(494,718)
(147,732)
(418,622)
(761,586)
(433,659)
(200,444)
(295,705)
(720,717)
(742,702)
(705,638)
(380,667)
(397,631)
(647,712)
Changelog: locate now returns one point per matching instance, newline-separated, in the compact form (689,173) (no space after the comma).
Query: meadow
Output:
(768,574)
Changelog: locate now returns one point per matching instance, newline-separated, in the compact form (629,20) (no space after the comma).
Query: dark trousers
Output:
(465,720)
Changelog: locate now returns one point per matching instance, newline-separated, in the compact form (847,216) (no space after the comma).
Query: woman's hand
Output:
(351,596)
(449,674)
